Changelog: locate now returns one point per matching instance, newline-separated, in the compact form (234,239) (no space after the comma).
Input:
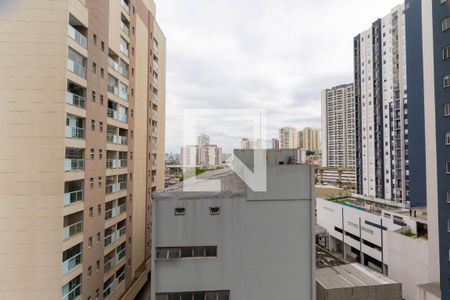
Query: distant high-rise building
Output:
(276,144)
(247,143)
(83,127)
(300,138)
(288,138)
(338,127)
(311,139)
(189,156)
(203,139)
(209,155)
(381,108)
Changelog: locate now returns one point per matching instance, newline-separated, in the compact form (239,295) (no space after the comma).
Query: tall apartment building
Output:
(82,125)
(338,127)
(209,155)
(381,109)
(300,138)
(189,155)
(276,144)
(203,139)
(428,36)
(288,138)
(311,139)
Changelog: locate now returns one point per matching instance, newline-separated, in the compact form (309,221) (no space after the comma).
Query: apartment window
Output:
(93,124)
(447,109)
(92,153)
(103,46)
(445,24)
(93,96)
(97,293)
(89,272)
(447,167)
(91,182)
(100,181)
(448,196)
(94,68)
(102,73)
(186,252)
(101,126)
(447,138)
(101,99)
(99,209)
(98,237)
(446,81)
(180,211)
(214,211)
(90,242)
(100,155)
(446,52)
(97,265)
(208,295)
(95,39)
(91,211)
(124,46)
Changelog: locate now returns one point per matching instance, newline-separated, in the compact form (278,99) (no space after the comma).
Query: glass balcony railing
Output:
(122,140)
(77,36)
(121,231)
(123,118)
(122,163)
(109,239)
(108,290)
(73,197)
(120,255)
(109,264)
(111,164)
(110,213)
(125,6)
(121,208)
(74,132)
(75,100)
(72,230)
(122,186)
(76,68)
(113,114)
(113,90)
(125,28)
(73,294)
(113,64)
(71,263)
(111,188)
(73,165)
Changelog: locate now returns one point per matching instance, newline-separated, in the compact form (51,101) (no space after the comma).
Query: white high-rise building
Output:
(338,127)
(203,139)
(381,113)
(288,138)
(311,139)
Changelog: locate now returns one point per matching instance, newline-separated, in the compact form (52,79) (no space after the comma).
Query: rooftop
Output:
(364,204)
(350,275)
(432,288)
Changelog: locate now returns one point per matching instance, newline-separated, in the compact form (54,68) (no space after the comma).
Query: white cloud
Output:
(264,54)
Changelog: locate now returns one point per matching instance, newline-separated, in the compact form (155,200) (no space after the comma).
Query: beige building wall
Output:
(35,218)
(311,139)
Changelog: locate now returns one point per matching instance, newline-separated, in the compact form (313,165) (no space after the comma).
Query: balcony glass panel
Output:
(113,85)
(74,127)
(74,160)
(72,230)
(73,192)
(113,64)
(71,258)
(76,63)
(72,289)
(125,5)
(77,36)
(75,100)
(124,46)
(123,91)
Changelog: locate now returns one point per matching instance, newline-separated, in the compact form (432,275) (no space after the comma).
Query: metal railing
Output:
(124,28)
(113,90)
(72,294)
(73,197)
(71,263)
(77,36)
(112,114)
(113,64)
(73,164)
(75,100)
(72,230)
(74,132)
(110,238)
(109,264)
(76,68)
(111,164)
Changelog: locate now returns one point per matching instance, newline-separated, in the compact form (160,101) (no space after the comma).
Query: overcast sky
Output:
(275,55)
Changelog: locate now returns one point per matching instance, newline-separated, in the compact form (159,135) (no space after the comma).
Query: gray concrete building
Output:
(237,243)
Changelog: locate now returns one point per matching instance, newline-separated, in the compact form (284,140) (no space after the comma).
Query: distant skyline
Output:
(276,55)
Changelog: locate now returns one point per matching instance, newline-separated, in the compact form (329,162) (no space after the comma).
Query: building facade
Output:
(203,139)
(381,108)
(83,132)
(288,138)
(300,138)
(338,127)
(311,139)
(275,144)
(209,257)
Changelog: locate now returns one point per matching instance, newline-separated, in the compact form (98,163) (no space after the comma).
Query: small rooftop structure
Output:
(355,282)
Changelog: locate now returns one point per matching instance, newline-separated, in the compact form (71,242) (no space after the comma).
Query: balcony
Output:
(71,258)
(73,192)
(73,165)
(125,6)
(72,290)
(110,261)
(74,127)
(120,254)
(125,28)
(76,68)
(75,100)
(73,229)
(113,64)
(110,237)
(77,36)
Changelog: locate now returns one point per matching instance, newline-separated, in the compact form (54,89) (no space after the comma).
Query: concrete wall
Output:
(264,247)
(407,257)
(385,292)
